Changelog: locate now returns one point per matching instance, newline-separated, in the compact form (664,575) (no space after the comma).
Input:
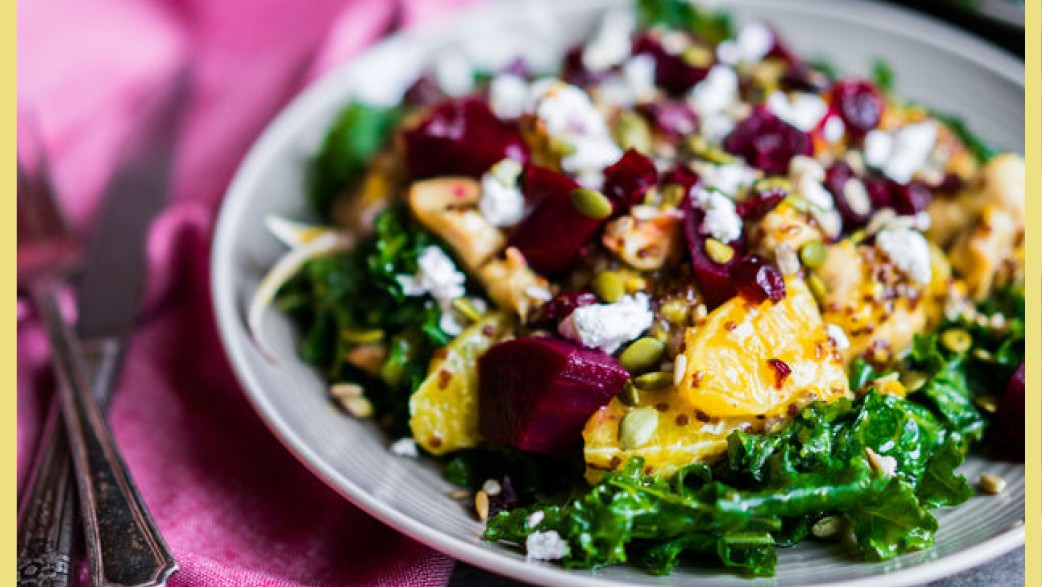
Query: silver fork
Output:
(120,528)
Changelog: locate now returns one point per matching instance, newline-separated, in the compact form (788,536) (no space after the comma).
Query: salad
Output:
(688,297)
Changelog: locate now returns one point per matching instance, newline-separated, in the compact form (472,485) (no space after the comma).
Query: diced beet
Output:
(878,188)
(836,177)
(461,137)
(951,183)
(759,203)
(911,198)
(562,305)
(536,393)
(767,142)
(672,119)
(1009,423)
(424,91)
(802,78)
(681,175)
(626,180)
(780,50)
(575,72)
(858,104)
(672,73)
(713,279)
(552,236)
(757,280)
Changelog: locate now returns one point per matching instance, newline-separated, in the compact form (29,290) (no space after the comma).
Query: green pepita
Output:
(637,427)
(591,203)
(643,355)
(361,335)
(466,307)
(697,56)
(913,380)
(654,381)
(629,395)
(817,287)
(813,254)
(719,252)
(632,132)
(988,403)
(956,340)
(561,147)
(672,194)
(608,286)
(827,527)
(506,171)
(675,311)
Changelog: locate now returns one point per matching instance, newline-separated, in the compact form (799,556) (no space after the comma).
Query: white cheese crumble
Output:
(717,91)
(716,127)
(806,174)
(491,487)
(501,203)
(611,43)
(545,546)
(571,117)
(438,276)
(728,178)
(536,518)
(838,336)
(901,154)
(507,95)
(609,326)
(804,111)
(834,129)
(722,221)
(405,447)
(454,74)
(754,41)
(908,250)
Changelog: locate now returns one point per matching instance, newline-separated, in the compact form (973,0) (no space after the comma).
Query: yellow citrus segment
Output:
(444,409)
(736,361)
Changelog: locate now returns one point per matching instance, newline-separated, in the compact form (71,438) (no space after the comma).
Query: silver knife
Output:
(108,300)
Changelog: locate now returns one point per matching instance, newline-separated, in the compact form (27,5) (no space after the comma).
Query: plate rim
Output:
(228,313)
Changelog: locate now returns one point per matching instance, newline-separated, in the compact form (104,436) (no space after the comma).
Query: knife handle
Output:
(47,509)
(123,545)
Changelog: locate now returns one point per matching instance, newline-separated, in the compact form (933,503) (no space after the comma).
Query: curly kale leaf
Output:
(679,14)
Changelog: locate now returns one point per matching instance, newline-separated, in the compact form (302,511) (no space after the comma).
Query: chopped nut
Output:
(679,368)
(481,505)
(491,487)
(884,464)
(827,527)
(788,262)
(992,484)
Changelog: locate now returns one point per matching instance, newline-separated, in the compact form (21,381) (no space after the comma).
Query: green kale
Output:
(883,76)
(767,492)
(679,14)
(336,298)
(980,148)
(358,132)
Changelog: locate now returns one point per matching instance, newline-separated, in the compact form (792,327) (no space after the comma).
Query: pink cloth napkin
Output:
(233,504)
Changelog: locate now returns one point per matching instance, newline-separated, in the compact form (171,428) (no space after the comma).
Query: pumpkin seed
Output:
(719,252)
(827,527)
(675,311)
(481,505)
(813,254)
(914,380)
(361,335)
(817,287)
(988,403)
(632,132)
(769,184)
(697,56)
(467,308)
(637,427)
(992,484)
(561,147)
(956,340)
(608,286)
(653,381)
(506,171)
(643,355)
(672,194)
(591,203)
(629,395)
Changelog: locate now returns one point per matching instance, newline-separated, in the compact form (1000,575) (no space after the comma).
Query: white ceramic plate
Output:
(934,64)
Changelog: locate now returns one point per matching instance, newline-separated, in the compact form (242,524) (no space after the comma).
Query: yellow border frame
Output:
(1033,359)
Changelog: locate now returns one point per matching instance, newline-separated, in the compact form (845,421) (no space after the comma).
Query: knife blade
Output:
(108,301)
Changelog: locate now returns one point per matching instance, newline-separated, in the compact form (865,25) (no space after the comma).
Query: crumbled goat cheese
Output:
(722,221)
(716,127)
(611,43)
(501,204)
(609,326)
(908,250)
(506,95)
(804,111)
(717,91)
(536,518)
(728,178)
(545,546)
(806,174)
(438,276)
(838,336)
(405,447)
(639,75)
(454,74)
(570,116)
(754,41)
(834,129)
(899,155)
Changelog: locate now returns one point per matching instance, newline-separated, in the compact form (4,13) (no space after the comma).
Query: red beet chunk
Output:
(760,203)
(681,175)
(757,280)
(836,177)
(1009,433)
(672,119)
(461,137)
(551,236)
(626,180)
(575,72)
(858,104)
(537,393)
(562,305)
(767,142)
(911,198)
(672,73)
(713,279)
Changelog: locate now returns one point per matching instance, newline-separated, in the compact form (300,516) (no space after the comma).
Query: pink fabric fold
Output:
(233,504)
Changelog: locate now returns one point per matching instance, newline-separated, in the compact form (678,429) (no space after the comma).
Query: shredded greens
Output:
(678,14)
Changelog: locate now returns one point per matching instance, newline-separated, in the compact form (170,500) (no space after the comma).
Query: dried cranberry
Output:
(672,73)
(854,214)
(626,180)
(767,142)
(910,198)
(760,203)
(951,183)
(672,119)
(757,280)
(562,305)
(858,104)
(713,279)
(461,137)
(424,91)
(1009,421)
(782,370)
(878,189)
